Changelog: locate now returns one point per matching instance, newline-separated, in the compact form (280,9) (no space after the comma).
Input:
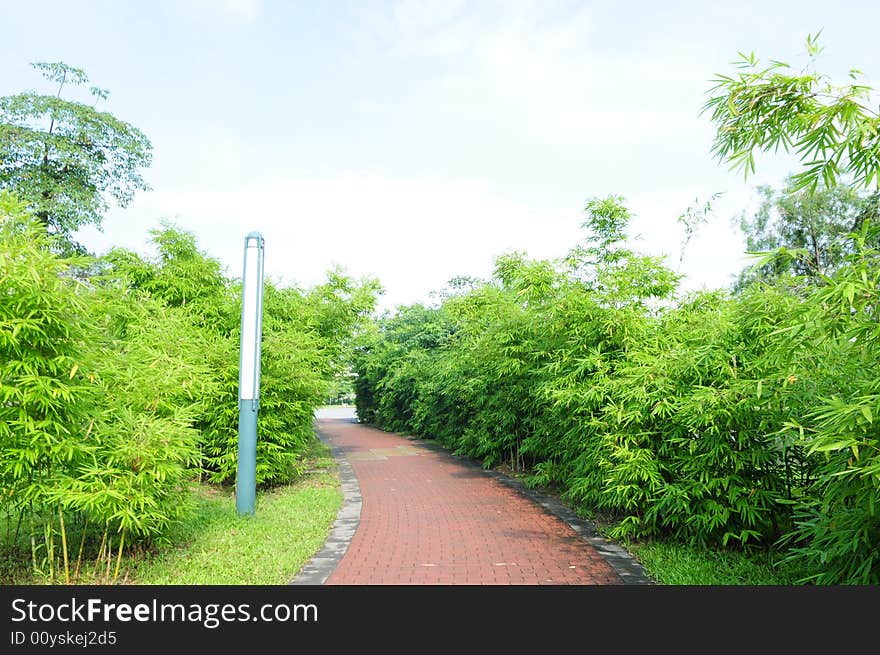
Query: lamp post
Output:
(249,372)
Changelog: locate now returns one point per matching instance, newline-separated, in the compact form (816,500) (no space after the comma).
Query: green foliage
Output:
(182,276)
(831,338)
(97,400)
(305,336)
(341,391)
(715,420)
(117,390)
(831,127)
(813,228)
(838,527)
(151,386)
(43,399)
(63,157)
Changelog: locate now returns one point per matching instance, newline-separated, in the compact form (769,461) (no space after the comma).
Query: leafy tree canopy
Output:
(813,229)
(64,158)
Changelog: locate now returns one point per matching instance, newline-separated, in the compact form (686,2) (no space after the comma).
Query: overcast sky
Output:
(416,141)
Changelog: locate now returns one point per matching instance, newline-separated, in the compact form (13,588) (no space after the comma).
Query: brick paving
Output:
(430,518)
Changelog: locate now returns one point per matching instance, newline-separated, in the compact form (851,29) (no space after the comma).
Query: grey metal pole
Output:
(246,479)
(249,372)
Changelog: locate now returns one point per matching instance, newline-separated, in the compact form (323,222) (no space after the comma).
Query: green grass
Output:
(289,525)
(677,564)
(217,546)
(671,563)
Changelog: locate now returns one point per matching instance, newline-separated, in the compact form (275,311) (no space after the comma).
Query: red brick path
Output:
(429,519)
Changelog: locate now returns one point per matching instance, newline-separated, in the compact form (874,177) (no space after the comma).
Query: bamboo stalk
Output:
(82,542)
(119,555)
(64,545)
(49,533)
(109,559)
(100,551)
(33,544)
(34,554)
(18,526)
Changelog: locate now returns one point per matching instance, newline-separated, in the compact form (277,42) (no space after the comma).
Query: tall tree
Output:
(813,228)
(64,158)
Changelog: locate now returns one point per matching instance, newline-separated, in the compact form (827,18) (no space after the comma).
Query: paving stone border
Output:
(318,569)
(321,565)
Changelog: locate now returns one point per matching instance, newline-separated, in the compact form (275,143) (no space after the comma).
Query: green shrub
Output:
(100,388)
(303,348)
(837,532)
(152,383)
(45,395)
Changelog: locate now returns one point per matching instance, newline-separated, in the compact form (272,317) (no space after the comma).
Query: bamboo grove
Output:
(743,420)
(119,383)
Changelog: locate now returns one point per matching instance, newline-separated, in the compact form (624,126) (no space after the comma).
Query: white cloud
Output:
(414,235)
(238,11)
(538,74)
(583,116)
(418,28)
(246,10)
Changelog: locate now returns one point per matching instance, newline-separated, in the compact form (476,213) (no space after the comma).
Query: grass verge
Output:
(217,546)
(290,524)
(678,564)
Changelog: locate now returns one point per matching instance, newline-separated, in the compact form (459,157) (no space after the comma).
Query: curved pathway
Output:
(415,514)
